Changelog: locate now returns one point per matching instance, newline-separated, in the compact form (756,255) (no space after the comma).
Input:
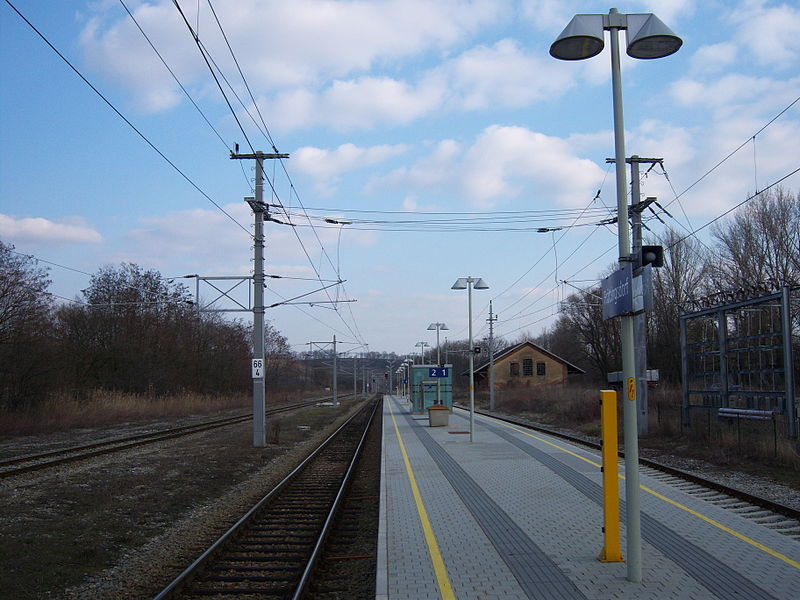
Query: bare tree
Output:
(683,277)
(24,300)
(24,331)
(597,339)
(760,243)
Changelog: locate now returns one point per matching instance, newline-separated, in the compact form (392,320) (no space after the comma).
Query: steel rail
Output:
(698,479)
(189,572)
(317,551)
(125,443)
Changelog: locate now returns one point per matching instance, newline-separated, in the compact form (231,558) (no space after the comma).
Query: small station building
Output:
(527,365)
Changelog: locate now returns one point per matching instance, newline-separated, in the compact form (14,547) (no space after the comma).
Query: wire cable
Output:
(125,119)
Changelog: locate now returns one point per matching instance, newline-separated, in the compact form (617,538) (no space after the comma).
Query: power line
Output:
(203,53)
(244,79)
(596,196)
(742,145)
(733,208)
(171,72)
(48,262)
(123,117)
(276,195)
(208,60)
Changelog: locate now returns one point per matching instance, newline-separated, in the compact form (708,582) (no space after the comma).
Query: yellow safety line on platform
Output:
(442,579)
(708,520)
(734,533)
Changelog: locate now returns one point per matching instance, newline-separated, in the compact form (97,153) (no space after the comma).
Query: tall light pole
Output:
(438,327)
(647,38)
(421,346)
(467,283)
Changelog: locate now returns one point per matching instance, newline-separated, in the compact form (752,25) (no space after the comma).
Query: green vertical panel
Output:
(423,387)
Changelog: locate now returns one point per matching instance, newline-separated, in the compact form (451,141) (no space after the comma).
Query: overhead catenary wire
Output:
(209,60)
(267,134)
(172,73)
(125,119)
(177,80)
(734,207)
(733,152)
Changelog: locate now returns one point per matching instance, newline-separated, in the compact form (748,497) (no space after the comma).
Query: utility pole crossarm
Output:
(261,213)
(235,156)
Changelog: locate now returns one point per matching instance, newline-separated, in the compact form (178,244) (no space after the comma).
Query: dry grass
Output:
(104,408)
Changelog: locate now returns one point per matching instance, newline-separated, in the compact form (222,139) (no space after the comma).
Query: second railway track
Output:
(18,465)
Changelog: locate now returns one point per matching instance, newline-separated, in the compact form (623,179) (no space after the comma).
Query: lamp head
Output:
(649,37)
(581,38)
(460,284)
(480,284)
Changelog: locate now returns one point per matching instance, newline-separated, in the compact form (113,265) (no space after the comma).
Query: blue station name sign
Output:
(618,293)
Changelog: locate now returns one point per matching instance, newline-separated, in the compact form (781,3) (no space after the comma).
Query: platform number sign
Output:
(438,372)
(258,368)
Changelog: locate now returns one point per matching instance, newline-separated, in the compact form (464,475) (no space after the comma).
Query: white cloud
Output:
(271,40)
(752,94)
(366,101)
(120,51)
(435,170)
(480,78)
(71,230)
(502,75)
(713,58)
(769,32)
(327,166)
(502,163)
(505,161)
(653,137)
(183,237)
(362,103)
(670,11)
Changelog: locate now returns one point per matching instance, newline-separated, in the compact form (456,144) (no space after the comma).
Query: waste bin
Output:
(438,415)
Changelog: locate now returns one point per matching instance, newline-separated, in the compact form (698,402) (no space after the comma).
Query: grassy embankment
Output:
(113,408)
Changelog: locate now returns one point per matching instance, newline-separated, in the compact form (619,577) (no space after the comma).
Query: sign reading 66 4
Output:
(258,368)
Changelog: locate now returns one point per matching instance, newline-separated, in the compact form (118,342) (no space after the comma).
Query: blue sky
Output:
(416,109)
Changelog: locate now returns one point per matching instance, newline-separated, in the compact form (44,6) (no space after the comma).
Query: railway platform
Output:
(517,514)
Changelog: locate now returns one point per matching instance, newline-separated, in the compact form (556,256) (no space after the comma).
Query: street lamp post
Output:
(421,346)
(467,283)
(647,38)
(438,327)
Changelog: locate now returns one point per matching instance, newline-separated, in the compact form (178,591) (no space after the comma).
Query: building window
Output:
(540,369)
(527,367)
(514,369)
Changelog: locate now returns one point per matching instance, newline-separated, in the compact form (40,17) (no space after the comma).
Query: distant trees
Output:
(134,331)
(759,245)
(24,328)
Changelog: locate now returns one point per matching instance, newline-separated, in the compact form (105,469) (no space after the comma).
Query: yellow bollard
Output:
(608,431)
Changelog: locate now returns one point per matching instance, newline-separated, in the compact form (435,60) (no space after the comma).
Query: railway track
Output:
(18,465)
(272,551)
(781,518)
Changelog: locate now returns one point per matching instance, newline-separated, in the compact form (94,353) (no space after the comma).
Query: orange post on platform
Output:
(608,430)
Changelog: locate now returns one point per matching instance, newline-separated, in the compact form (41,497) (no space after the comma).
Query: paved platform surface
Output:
(516,514)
